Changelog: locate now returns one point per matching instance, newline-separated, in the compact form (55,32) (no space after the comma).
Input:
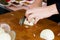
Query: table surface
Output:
(23,33)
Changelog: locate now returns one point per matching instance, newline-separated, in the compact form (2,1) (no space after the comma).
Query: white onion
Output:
(1,30)
(5,26)
(47,34)
(29,23)
(5,36)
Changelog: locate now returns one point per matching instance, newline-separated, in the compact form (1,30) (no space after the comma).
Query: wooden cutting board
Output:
(23,33)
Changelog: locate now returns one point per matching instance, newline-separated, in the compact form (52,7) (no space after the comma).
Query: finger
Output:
(31,17)
(28,12)
(36,20)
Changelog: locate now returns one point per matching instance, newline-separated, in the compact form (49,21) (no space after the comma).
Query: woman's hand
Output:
(40,13)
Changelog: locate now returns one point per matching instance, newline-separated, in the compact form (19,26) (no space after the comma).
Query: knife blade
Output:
(21,22)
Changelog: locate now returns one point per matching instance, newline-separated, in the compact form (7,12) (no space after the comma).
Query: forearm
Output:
(49,11)
(53,10)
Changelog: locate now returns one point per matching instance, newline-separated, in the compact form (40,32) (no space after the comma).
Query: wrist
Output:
(52,8)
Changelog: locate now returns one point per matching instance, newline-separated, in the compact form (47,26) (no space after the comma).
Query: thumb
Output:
(31,17)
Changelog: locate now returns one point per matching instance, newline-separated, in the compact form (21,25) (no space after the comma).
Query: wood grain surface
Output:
(23,33)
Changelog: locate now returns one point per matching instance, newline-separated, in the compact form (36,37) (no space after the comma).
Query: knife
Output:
(21,22)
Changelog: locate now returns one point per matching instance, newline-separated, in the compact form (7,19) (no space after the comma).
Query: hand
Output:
(40,13)
(15,8)
(34,3)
